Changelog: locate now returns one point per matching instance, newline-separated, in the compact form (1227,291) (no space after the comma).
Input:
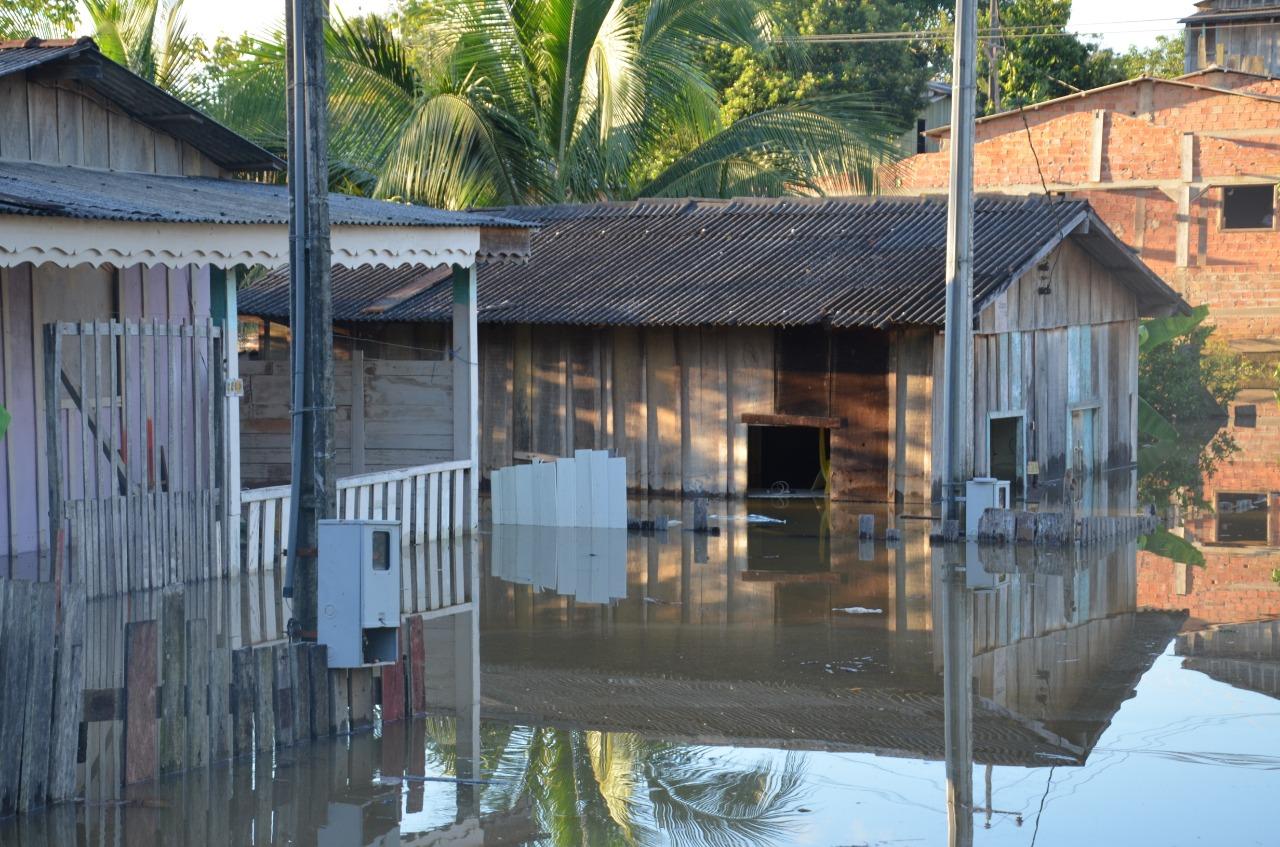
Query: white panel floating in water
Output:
(589,490)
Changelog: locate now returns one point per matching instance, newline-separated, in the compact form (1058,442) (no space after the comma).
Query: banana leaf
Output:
(1166,545)
(1158,331)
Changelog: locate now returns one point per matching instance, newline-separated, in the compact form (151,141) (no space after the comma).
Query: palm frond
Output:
(801,144)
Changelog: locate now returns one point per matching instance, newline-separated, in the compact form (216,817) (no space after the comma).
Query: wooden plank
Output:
(197,680)
(284,696)
(142,678)
(220,717)
(15,660)
(318,677)
(393,681)
(339,701)
(264,722)
(69,693)
(664,412)
(361,694)
(300,675)
(15,135)
(417,650)
(243,699)
(173,661)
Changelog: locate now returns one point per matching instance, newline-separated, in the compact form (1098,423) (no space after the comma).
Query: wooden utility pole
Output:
(957,374)
(311,308)
(994,47)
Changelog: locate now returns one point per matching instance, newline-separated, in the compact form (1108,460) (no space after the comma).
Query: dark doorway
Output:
(1005,445)
(786,458)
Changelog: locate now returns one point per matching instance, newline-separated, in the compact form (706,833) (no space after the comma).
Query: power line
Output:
(1004,31)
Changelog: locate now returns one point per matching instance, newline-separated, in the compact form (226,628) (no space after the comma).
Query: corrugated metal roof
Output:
(1211,15)
(847,262)
(31,188)
(140,99)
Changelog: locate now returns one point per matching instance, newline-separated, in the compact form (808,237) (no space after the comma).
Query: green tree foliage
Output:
(754,80)
(556,100)
(149,38)
(1044,61)
(44,18)
(1163,59)
(1187,377)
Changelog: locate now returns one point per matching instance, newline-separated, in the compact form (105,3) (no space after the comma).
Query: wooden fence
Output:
(136,441)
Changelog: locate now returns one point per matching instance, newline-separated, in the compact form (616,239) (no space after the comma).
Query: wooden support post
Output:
(173,660)
(243,699)
(466,387)
(357,412)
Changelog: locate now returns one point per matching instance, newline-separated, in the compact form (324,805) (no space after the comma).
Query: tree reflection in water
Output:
(592,789)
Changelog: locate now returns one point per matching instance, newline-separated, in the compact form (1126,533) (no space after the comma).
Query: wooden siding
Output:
(407,417)
(672,400)
(1043,354)
(30,297)
(65,123)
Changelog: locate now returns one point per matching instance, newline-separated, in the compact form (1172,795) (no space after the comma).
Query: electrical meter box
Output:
(982,493)
(359,592)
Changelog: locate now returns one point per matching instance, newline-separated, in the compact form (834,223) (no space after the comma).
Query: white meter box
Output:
(359,592)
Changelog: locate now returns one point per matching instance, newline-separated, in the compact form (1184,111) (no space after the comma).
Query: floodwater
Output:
(780,684)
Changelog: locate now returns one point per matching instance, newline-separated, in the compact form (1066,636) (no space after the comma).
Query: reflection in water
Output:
(706,690)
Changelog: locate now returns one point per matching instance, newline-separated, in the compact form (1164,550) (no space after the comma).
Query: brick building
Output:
(1185,172)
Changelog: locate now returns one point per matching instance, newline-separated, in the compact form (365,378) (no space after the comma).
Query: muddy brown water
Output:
(777,684)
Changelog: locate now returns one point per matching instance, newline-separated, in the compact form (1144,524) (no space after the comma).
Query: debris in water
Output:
(748,518)
(859,610)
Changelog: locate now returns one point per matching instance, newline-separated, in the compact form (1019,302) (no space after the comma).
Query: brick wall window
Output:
(921,127)
(1246,415)
(1242,517)
(1248,206)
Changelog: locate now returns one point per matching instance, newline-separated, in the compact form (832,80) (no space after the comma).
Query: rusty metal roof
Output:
(65,191)
(80,60)
(748,262)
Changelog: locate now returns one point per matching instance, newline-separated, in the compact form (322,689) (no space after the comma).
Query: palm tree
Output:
(149,38)
(531,101)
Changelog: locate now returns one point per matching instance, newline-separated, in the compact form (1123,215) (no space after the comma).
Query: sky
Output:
(1120,24)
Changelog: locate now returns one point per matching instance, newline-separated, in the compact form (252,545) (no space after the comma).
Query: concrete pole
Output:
(312,312)
(957,383)
(957,692)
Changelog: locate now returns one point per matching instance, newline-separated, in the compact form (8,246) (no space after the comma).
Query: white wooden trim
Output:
(70,242)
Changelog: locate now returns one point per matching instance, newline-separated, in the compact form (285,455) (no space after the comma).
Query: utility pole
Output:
(994,47)
(957,374)
(311,306)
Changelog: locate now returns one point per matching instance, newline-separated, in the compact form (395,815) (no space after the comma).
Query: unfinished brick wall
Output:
(1233,586)
(1143,140)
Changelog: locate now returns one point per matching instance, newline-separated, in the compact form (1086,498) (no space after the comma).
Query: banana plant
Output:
(1160,440)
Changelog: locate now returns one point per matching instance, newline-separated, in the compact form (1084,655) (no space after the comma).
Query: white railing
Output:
(265,512)
(429,501)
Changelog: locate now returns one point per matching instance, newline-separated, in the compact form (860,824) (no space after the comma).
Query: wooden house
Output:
(123,230)
(725,347)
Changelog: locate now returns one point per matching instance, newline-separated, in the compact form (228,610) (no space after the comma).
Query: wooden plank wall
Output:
(671,400)
(1043,353)
(64,122)
(913,361)
(32,296)
(408,416)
